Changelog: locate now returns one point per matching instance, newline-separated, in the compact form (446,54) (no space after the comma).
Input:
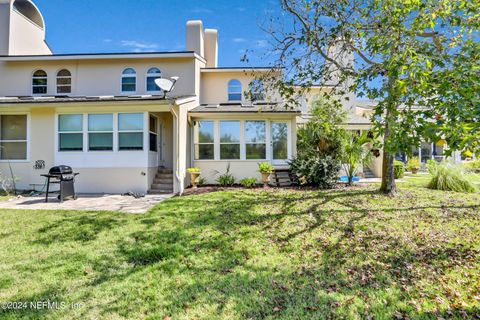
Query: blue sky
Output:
(94,26)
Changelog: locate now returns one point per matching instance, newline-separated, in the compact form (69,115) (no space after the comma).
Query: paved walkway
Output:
(118,203)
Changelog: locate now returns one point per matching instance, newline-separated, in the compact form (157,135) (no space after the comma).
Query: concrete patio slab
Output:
(91,202)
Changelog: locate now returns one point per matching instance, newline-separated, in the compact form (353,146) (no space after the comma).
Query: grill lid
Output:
(60,170)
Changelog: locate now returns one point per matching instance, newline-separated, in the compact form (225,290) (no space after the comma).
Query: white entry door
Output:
(279,142)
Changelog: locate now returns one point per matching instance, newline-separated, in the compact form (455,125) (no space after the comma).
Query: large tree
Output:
(418,58)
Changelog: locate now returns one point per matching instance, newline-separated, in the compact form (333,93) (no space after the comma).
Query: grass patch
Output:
(251,254)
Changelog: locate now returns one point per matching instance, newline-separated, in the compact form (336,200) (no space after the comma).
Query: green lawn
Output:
(276,254)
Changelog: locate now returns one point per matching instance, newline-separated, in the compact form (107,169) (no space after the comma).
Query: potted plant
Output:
(265,169)
(194,175)
(413,165)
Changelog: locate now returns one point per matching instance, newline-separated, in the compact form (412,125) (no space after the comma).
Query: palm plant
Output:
(356,151)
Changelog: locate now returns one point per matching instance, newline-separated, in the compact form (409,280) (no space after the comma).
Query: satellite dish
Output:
(166,84)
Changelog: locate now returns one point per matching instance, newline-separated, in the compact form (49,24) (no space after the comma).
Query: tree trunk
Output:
(388,173)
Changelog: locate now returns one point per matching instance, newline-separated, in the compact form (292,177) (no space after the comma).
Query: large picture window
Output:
(229,140)
(100,132)
(255,143)
(204,132)
(13,137)
(130,131)
(70,132)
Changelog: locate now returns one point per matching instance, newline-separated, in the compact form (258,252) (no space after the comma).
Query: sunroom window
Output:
(13,137)
(39,82)
(255,143)
(70,132)
(204,132)
(229,140)
(100,132)
(130,131)
(129,80)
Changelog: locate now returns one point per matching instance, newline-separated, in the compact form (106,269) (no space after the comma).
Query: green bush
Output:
(450,177)
(473,165)
(399,169)
(265,167)
(201,181)
(317,171)
(227,179)
(413,164)
(248,182)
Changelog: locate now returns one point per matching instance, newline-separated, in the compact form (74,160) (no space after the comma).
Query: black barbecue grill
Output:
(65,177)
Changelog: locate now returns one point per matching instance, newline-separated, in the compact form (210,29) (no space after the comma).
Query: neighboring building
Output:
(103,114)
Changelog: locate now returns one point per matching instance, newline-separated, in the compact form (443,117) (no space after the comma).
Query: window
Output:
(64,82)
(152,75)
(234,90)
(100,132)
(255,132)
(229,140)
(257,89)
(204,141)
(153,134)
(39,82)
(70,132)
(129,80)
(13,137)
(130,131)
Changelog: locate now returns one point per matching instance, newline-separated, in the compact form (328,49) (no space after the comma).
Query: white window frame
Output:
(235,92)
(240,143)
(25,141)
(117,116)
(153,75)
(63,85)
(57,125)
(113,132)
(249,142)
(214,143)
(33,77)
(129,76)
(243,142)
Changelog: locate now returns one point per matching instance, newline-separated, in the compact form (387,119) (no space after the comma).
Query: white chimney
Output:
(211,48)
(195,37)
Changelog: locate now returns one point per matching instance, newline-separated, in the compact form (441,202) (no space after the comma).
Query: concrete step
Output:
(170,171)
(163,181)
(163,186)
(164,176)
(160,191)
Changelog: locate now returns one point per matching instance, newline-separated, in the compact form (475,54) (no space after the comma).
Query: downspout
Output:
(175,143)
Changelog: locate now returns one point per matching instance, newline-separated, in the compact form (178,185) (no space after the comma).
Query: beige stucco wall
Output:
(25,37)
(238,168)
(112,180)
(96,77)
(214,85)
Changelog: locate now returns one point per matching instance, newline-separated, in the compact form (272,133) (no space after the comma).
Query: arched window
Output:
(234,90)
(64,81)
(257,90)
(129,80)
(152,75)
(39,82)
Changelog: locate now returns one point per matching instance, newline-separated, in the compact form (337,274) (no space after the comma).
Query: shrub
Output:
(265,167)
(226,179)
(356,151)
(473,165)
(413,164)
(248,182)
(201,181)
(318,171)
(193,170)
(450,177)
(399,169)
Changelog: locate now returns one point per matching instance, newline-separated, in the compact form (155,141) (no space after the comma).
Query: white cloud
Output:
(261,43)
(201,10)
(239,40)
(139,46)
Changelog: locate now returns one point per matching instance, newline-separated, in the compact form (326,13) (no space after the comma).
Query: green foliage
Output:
(193,170)
(450,177)
(398,169)
(226,179)
(319,171)
(413,164)
(356,151)
(248,182)
(473,165)
(265,167)
(201,181)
